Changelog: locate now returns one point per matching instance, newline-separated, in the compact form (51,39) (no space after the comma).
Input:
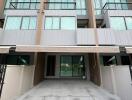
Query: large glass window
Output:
(13,23)
(118,4)
(61,4)
(97,6)
(18,60)
(81,7)
(20,23)
(72,66)
(117,23)
(52,23)
(60,23)
(22,4)
(68,23)
(108,60)
(128,22)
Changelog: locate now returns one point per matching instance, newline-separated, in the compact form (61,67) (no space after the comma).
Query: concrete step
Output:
(60,98)
(67,90)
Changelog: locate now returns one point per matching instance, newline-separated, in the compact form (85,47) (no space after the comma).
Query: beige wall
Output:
(1,6)
(117,80)
(18,80)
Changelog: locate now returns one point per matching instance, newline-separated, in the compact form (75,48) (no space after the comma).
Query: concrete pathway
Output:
(67,90)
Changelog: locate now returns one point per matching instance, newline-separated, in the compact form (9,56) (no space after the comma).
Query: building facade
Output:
(60,39)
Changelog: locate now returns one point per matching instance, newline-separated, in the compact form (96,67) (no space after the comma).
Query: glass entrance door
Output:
(72,66)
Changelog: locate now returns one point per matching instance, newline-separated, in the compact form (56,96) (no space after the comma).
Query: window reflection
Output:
(60,23)
(117,23)
(20,23)
(13,23)
(128,22)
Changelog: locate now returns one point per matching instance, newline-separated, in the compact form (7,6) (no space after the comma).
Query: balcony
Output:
(116,6)
(79,37)
(17,37)
(59,5)
(58,37)
(23,6)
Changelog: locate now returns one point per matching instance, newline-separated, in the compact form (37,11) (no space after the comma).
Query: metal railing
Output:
(2,76)
(24,5)
(47,5)
(59,5)
(117,6)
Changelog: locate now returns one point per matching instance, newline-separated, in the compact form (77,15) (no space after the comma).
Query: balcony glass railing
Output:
(24,5)
(59,5)
(48,6)
(117,6)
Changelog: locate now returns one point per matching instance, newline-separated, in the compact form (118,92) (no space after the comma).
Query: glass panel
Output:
(25,23)
(48,23)
(81,5)
(66,66)
(129,22)
(117,23)
(7,3)
(55,23)
(13,23)
(68,23)
(33,22)
(78,66)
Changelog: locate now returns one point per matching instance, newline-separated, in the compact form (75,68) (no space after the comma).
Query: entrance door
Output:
(51,60)
(72,66)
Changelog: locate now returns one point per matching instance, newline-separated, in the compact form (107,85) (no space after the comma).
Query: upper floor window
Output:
(121,23)
(97,6)
(60,23)
(128,22)
(22,4)
(107,60)
(20,23)
(117,23)
(115,4)
(81,7)
(60,4)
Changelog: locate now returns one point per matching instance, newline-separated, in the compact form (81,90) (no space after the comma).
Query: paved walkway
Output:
(67,90)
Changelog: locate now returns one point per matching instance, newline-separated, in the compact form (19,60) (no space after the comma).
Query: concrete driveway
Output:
(67,90)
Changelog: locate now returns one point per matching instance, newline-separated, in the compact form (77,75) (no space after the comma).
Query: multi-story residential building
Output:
(66,39)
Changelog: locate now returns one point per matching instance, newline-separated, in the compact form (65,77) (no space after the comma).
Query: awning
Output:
(128,50)
(4,49)
(75,49)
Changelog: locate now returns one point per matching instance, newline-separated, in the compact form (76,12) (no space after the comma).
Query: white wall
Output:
(58,37)
(17,37)
(85,36)
(18,80)
(117,80)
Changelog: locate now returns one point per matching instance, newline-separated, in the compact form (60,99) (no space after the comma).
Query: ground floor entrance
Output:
(66,66)
(67,90)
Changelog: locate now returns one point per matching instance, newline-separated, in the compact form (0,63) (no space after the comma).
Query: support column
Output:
(94,58)
(39,57)
(39,68)
(40,22)
(2,4)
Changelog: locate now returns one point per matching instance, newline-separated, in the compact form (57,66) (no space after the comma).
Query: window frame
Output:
(59,22)
(20,28)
